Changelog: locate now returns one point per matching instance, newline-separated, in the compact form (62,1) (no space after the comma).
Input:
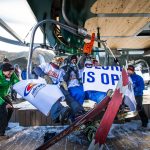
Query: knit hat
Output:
(74,57)
(95,61)
(7,67)
(130,67)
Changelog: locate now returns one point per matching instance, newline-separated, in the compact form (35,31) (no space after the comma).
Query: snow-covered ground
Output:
(128,135)
(16,128)
(129,126)
(29,138)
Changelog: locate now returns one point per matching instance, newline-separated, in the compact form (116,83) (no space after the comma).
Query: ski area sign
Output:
(101,78)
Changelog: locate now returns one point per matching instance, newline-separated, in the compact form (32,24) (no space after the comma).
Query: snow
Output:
(128,127)
(16,130)
(28,106)
(24,105)
(128,135)
(15,127)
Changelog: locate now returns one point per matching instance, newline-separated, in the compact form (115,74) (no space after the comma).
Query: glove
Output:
(64,84)
(9,106)
(8,99)
(109,92)
(48,79)
(116,60)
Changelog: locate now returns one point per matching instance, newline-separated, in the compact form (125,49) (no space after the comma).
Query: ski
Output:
(81,120)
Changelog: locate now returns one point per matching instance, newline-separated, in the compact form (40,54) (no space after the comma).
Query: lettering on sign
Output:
(53,74)
(101,78)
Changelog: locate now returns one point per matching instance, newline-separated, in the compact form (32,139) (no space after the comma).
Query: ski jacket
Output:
(5,85)
(71,75)
(138,84)
(54,73)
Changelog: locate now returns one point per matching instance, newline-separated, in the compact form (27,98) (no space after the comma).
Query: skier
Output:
(7,79)
(86,62)
(72,77)
(138,87)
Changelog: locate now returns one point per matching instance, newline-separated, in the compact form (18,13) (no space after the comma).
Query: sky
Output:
(18,16)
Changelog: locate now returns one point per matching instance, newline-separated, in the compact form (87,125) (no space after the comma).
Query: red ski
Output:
(111,111)
(85,118)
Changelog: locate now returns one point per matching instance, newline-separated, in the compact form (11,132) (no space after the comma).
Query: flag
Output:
(88,46)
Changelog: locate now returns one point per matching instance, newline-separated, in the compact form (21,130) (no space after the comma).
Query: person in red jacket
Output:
(138,87)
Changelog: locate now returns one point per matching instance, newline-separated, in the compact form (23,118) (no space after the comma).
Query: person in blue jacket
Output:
(138,87)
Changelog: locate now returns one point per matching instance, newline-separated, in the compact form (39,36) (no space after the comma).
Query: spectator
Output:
(138,87)
(17,71)
(24,74)
(7,79)
(5,60)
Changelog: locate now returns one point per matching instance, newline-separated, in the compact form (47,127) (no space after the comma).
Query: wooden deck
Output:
(32,137)
(127,136)
(35,124)
(28,115)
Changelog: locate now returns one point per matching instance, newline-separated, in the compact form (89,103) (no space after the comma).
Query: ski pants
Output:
(140,109)
(5,115)
(75,106)
(58,108)
(3,119)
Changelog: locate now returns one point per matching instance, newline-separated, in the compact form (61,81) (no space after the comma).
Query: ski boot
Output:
(49,135)
(64,116)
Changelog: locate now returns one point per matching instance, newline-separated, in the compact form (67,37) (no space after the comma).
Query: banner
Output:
(101,78)
(129,99)
(39,94)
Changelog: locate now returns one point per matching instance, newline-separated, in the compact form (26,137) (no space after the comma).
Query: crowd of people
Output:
(67,73)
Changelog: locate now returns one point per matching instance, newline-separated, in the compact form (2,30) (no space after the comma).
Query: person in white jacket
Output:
(54,75)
